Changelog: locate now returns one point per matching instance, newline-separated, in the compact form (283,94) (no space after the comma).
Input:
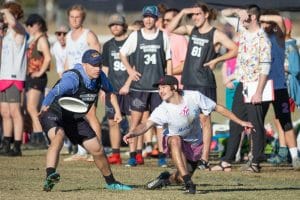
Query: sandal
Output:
(221,167)
(253,168)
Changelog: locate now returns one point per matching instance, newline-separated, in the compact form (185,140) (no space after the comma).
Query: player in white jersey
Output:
(178,114)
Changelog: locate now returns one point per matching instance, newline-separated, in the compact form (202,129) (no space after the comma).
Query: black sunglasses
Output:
(58,33)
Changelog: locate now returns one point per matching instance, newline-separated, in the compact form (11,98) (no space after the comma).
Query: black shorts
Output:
(37,83)
(207,91)
(144,101)
(281,107)
(77,130)
(124,104)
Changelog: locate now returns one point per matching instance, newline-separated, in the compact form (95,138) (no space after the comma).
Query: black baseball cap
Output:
(166,80)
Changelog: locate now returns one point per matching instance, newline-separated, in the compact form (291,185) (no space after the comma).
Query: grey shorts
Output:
(11,95)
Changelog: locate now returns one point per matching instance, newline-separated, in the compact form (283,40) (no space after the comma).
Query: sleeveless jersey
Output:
(88,96)
(200,50)
(117,73)
(13,58)
(149,61)
(76,48)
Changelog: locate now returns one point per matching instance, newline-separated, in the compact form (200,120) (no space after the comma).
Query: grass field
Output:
(22,178)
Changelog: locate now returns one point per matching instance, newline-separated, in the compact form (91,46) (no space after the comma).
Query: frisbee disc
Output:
(73,104)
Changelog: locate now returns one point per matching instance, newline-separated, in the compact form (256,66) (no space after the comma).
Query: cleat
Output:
(161,181)
(162,162)
(131,162)
(190,188)
(118,186)
(139,159)
(50,181)
(115,159)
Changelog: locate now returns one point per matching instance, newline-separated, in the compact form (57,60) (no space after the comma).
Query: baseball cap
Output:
(166,80)
(116,19)
(62,29)
(150,11)
(92,57)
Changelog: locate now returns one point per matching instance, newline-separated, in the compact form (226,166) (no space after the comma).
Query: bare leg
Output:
(57,141)
(174,143)
(207,133)
(33,101)
(94,147)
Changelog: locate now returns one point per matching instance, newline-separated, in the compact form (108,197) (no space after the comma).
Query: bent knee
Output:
(174,141)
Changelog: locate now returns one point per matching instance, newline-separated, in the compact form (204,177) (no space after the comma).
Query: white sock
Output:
(294,152)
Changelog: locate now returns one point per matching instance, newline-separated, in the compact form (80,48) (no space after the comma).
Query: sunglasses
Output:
(58,33)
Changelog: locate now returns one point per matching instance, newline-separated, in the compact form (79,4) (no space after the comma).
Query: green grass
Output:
(22,178)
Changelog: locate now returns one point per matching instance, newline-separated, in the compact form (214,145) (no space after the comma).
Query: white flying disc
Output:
(73,105)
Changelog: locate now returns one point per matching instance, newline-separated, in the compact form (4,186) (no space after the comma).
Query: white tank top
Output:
(13,58)
(76,48)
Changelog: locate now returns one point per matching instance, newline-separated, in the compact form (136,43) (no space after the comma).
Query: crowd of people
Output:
(158,74)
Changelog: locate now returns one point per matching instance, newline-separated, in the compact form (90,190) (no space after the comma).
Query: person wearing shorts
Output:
(12,77)
(152,59)
(271,21)
(118,76)
(83,82)
(179,113)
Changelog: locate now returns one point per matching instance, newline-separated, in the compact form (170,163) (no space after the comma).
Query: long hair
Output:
(212,13)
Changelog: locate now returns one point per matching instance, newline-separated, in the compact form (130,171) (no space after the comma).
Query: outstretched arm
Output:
(225,112)
(139,130)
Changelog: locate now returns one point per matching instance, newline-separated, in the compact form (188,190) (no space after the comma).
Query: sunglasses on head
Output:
(58,33)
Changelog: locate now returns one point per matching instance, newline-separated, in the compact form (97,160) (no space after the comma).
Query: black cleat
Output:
(161,181)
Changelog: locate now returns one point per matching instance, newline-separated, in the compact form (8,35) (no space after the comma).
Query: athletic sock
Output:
(294,152)
(139,151)
(116,151)
(186,178)
(50,170)
(132,154)
(110,179)
(161,155)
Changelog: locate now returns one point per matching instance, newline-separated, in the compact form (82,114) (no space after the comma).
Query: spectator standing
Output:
(253,65)
(117,74)
(12,77)
(58,49)
(152,60)
(39,58)
(274,26)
